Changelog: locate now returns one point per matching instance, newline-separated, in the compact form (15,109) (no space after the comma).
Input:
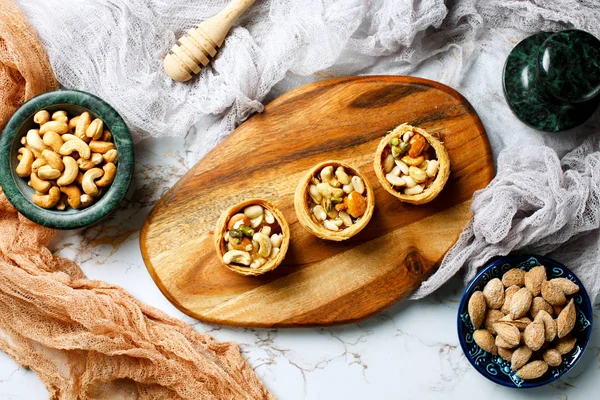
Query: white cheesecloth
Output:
(543,200)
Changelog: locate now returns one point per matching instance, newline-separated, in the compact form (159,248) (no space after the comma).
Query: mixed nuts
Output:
(253,237)
(526,319)
(69,161)
(336,199)
(409,163)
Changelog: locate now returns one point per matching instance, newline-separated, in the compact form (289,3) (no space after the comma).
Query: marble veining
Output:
(410,351)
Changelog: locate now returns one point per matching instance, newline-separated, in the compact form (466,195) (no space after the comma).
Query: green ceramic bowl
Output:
(17,191)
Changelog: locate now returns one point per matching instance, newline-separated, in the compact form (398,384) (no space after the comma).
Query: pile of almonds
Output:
(514,318)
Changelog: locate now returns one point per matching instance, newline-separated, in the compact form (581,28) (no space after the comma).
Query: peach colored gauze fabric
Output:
(89,339)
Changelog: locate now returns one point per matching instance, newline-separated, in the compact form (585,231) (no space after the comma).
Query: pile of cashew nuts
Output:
(253,237)
(68,161)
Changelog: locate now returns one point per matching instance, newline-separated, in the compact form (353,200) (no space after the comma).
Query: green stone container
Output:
(552,80)
(17,191)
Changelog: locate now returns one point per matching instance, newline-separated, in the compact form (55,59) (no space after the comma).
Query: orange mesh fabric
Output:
(89,339)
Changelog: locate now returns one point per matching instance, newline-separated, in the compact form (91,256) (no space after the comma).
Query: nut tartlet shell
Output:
(303,211)
(440,180)
(221,229)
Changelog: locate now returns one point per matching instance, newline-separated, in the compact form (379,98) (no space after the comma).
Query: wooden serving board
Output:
(319,282)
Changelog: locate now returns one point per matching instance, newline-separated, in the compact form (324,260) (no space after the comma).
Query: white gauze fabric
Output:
(114,48)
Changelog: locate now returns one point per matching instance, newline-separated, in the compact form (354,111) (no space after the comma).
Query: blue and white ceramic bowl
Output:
(494,367)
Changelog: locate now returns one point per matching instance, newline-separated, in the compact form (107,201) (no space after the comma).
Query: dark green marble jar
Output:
(552,80)
(74,103)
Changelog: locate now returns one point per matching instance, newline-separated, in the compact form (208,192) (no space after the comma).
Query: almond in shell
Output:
(491,318)
(506,354)
(514,276)
(476,309)
(565,344)
(566,320)
(520,357)
(533,370)
(534,279)
(538,304)
(534,335)
(552,294)
(503,343)
(485,340)
(520,303)
(508,332)
(550,325)
(568,287)
(508,294)
(494,293)
(552,357)
(520,323)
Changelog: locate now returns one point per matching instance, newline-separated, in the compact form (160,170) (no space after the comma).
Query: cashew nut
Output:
(34,141)
(95,129)
(41,117)
(86,200)
(38,184)
(417,174)
(60,116)
(106,136)
(24,167)
(264,243)
(48,173)
(84,121)
(73,123)
(54,126)
(88,183)
(111,156)
(76,145)
(47,200)
(97,146)
(328,191)
(314,193)
(94,160)
(38,163)
(70,173)
(73,195)
(54,160)
(67,136)
(79,178)
(61,205)
(237,257)
(53,140)
(328,177)
(110,170)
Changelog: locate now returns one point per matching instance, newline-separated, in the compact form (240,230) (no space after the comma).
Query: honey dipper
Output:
(200,45)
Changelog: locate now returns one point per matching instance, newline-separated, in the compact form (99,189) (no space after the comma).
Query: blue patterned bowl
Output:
(494,367)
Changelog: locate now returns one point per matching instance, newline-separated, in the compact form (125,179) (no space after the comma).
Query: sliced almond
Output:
(514,276)
(520,303)
(476,309)
(485,340)
(534,279)
(520,357)
(552,294)
(508,332)
(494,293)
(566,320)
(533,370)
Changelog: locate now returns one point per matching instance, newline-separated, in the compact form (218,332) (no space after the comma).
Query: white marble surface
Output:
(409,352)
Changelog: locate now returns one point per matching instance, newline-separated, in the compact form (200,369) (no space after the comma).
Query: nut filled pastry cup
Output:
(411,164)
(334,201)
(252,237)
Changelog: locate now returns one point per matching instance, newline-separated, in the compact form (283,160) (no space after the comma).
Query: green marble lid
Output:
(74,103)
(552,80)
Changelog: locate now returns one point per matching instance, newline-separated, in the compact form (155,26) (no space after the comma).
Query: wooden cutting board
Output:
(320,282)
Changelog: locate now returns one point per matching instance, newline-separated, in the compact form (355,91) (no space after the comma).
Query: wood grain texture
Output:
(320,282)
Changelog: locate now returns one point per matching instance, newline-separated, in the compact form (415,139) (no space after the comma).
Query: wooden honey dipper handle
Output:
(200,45)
